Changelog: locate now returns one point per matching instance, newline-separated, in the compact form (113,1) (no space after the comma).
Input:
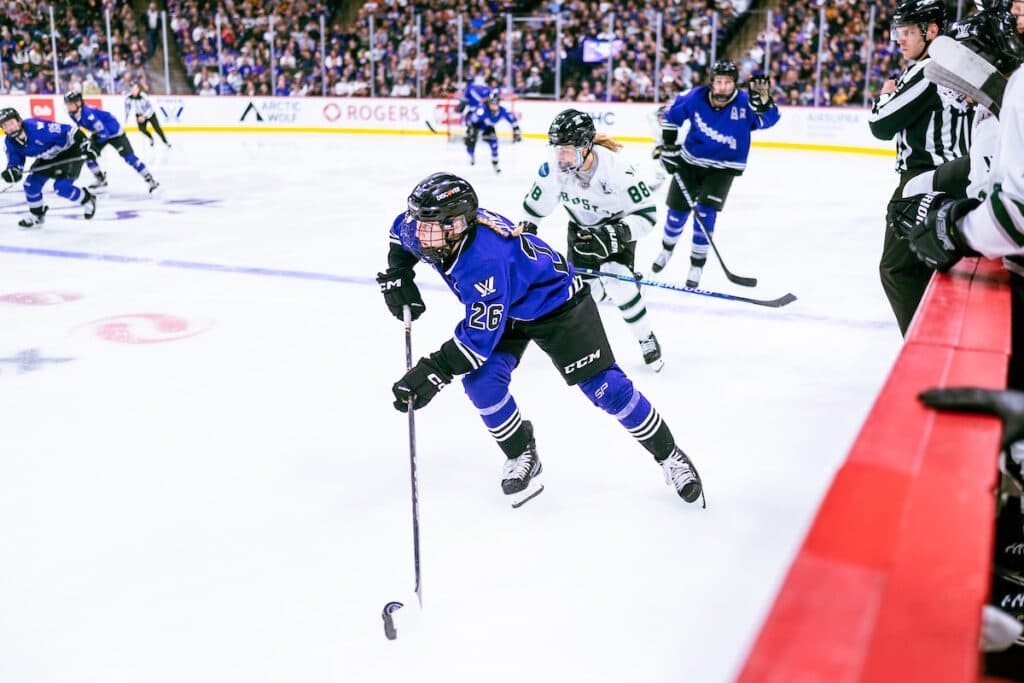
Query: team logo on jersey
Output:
(544,170)
(485,287)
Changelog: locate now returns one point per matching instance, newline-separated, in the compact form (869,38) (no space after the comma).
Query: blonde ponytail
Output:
(607,142)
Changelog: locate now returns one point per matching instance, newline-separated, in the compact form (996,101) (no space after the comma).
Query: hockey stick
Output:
(55,164)
(787,298)
(44,167)
(734,278)
(433,130)
(390,608)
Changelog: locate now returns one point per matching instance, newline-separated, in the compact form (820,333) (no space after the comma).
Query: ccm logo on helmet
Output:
(448,193)
(586,360)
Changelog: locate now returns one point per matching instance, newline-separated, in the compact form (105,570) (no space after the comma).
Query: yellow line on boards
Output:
(846,149)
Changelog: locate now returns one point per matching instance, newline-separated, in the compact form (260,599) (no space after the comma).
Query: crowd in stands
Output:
(82,54)
(353,63)
(246,31)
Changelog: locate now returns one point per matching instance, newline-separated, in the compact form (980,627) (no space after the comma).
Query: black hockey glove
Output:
(656,152)
(398,288)
(529,227)
(600,243)
(759,88)
(86,148)
(670,159)
(1007,405)
(420,384)
(517,135)
(11,175)
(936,241)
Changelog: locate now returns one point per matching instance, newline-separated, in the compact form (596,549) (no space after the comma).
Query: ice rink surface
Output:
(202,478)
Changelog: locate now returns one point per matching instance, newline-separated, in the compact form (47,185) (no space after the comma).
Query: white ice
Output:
(230,501)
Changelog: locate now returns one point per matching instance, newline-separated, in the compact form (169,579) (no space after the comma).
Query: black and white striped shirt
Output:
(140,106)
(931,123)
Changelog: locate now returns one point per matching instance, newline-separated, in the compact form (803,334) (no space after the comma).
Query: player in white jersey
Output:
(137,103)
(609,207)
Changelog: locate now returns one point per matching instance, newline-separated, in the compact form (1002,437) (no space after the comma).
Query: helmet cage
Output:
(439,212)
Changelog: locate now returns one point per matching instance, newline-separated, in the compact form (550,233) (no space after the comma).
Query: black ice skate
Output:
(151,182)
(37,218)
(519,476)
(89,204)
(682,475)
(652,352)
(494,163)
(101,181)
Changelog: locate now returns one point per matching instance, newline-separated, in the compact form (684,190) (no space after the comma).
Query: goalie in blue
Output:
(516,289)
(481,122)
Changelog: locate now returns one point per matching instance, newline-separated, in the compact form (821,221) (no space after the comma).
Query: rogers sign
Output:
(371,113)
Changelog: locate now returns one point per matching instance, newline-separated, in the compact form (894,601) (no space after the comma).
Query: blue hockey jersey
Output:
(475,95)
(717,138)
(45,139)
(102,124)
(498,278)
(483,117)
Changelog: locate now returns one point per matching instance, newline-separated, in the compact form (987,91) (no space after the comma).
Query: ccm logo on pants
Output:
(586,360)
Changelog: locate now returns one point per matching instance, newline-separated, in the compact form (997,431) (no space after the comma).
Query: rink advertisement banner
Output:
(834,129)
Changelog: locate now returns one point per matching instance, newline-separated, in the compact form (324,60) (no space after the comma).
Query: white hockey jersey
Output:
(617,189)
(996,228)
(984,143)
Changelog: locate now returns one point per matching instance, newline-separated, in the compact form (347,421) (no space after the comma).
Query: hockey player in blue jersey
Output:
(721,118)
(59,150)
(105,130)
(515,289)
(476,94)
(481,123)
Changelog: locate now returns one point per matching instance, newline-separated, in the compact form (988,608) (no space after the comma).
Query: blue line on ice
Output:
(732,310)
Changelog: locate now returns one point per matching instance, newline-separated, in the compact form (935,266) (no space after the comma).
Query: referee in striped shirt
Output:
(931,125)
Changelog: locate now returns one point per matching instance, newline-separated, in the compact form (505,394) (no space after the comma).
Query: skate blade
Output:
(526,495)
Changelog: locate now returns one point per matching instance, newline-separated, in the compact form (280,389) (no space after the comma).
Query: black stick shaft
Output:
(407,320)
(733,277)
